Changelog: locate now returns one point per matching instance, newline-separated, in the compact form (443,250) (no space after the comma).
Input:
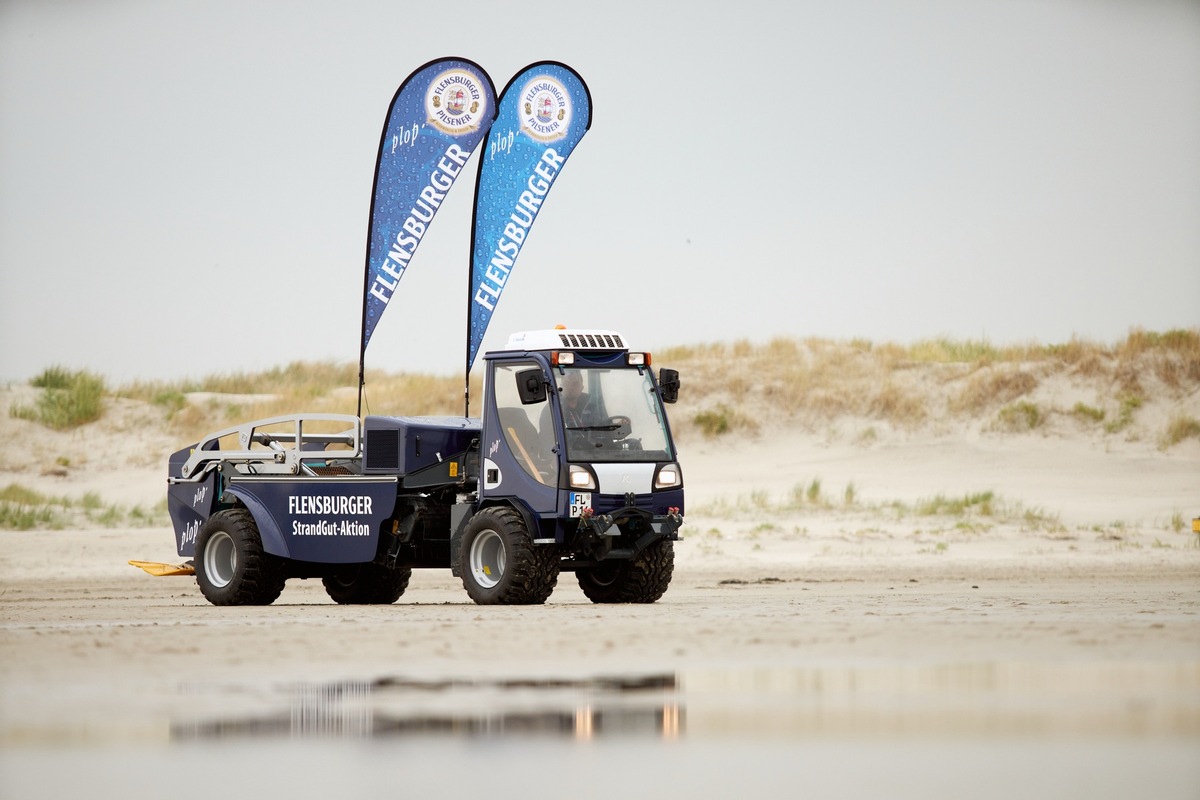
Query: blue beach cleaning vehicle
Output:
(571,468)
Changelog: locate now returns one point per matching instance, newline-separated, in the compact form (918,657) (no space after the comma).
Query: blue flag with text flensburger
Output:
(437,118)
(543,113)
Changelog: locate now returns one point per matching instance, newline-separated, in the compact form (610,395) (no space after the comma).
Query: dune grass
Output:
(1181,427)
(976,502)
(989,388)
(729,389)
(973,512)
(196,407)
(22,508)
(1088,413)
(815,382)
(69,398)
(1128,404)
(1020,417)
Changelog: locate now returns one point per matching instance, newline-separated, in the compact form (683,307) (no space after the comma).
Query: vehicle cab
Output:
(575,434)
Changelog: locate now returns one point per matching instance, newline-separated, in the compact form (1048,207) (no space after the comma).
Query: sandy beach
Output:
(928,614)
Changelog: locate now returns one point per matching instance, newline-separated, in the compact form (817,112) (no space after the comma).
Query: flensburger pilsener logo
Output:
(455,102)
(545,109)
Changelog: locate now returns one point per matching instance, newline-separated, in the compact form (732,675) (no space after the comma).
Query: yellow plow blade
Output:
(155,568)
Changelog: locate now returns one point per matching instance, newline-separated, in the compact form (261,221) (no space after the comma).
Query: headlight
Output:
(668,477)
(581,478)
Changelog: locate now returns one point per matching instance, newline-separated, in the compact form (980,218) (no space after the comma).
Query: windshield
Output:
(612,415)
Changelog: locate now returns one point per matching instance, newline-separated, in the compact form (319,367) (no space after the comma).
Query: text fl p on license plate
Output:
(579,501)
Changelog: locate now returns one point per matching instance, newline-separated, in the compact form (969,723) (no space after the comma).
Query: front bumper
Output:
(626,532)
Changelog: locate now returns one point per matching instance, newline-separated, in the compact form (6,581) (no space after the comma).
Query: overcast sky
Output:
(185,186)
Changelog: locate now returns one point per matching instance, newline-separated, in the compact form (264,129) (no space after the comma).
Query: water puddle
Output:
(997,730)
(586,708)
(788,702)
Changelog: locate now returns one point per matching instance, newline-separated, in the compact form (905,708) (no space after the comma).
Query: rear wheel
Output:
(500,563)
(642,579)
(367,584)
(231,567)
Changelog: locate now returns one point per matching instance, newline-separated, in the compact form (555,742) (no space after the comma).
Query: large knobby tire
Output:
(231,567)
(643,579)
(500,563)
(367,584)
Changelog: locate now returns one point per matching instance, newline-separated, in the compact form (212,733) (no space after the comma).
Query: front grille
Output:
(608,503)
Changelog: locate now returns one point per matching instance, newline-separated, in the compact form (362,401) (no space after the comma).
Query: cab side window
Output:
(531,447)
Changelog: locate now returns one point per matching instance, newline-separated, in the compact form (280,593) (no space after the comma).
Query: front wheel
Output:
(642,579)
(367,584)
(500,563)
(231,567)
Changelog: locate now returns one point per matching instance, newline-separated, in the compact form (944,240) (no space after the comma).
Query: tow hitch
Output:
(602,530)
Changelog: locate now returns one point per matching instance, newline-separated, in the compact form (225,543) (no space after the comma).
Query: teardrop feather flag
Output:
(437,118)
(543,113)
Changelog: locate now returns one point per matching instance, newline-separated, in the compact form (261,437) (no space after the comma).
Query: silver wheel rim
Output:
(487,559)
(220,559)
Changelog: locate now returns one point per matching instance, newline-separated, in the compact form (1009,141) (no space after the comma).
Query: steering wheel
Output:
(620,426)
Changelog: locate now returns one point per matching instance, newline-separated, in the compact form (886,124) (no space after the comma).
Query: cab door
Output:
(520,451)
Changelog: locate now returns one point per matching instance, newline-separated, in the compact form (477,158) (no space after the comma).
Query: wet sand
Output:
(835,670)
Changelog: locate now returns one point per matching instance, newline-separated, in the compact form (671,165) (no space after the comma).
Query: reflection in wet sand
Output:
(970,699)
(395,707)
(902,731)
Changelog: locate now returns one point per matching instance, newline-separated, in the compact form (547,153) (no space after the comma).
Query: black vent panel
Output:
(382,449)
(591,341)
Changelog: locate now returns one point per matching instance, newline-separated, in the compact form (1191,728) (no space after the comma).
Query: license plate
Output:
(580,501)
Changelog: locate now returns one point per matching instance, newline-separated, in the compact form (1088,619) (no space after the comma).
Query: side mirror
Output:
(668,384)
(531,386)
